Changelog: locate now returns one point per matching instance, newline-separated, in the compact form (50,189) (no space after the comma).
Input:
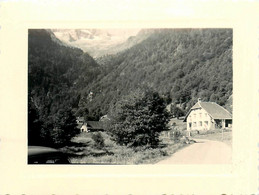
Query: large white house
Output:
(207,116)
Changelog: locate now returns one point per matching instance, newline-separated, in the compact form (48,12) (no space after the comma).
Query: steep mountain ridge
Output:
(55,58)
(56,73)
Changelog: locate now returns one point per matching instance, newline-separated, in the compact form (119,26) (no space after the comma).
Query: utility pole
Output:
(222,133)
(223,126)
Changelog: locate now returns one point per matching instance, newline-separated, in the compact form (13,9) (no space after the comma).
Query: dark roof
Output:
(213,109)
(95,124)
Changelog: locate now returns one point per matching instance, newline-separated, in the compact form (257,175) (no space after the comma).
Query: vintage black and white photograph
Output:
(114,96)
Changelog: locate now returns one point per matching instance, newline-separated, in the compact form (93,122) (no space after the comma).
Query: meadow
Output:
(85,150)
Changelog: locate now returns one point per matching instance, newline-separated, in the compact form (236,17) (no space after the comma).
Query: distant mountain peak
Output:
(96,42)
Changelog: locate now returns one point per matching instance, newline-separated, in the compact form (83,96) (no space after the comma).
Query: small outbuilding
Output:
(83,128)
(90,126)
(94,126)
(207,116)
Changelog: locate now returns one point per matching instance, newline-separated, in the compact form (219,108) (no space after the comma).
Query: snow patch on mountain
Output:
(96,42)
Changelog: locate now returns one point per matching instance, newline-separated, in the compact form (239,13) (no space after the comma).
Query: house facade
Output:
(207,116)
(83,128)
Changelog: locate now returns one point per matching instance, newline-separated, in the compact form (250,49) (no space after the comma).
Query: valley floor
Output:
(85,151)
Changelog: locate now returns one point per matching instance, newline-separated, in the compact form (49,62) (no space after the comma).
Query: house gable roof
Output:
(95,124)
(213,109)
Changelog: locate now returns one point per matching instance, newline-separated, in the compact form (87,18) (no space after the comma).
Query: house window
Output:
(200,115)
(194,115)
(206,114)
(206,123)
(190,125)
(194,124)
(200,123)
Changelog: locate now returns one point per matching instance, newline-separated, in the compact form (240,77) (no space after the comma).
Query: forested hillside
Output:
(182,65)
(56,73)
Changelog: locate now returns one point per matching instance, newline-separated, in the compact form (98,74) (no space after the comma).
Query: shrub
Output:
(185,140)
(98,139)
(176,135)
(55,130)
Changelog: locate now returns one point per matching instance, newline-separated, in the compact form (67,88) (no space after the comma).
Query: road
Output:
(202,152)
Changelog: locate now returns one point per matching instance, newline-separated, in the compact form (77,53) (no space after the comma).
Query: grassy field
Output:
(210,135)
(226,137)
(84,150)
